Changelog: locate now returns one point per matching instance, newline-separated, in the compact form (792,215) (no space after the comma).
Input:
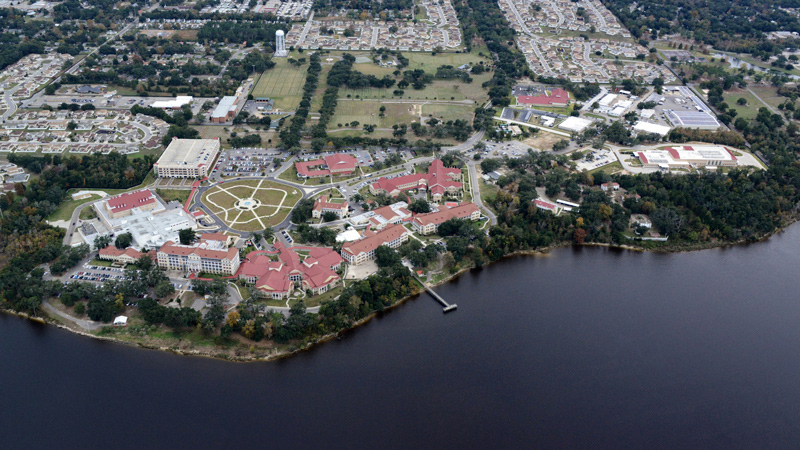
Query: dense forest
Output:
(26,240)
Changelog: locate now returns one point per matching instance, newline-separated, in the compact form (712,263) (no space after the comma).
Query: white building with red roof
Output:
(125,256)
(125,204)
(275,274)
(205,256)
(141,213)
(439,181)
(337,165)
(364,249)
(558,98)
(322,205)
(688,156)
(429,223)
(547,206)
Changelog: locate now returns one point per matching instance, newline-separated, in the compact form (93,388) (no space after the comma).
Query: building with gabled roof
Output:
(439,180)
(429,223)
(125,256)
(358,252)
(322,205)
(208,256)
(338,164)
(123,204)
(275,273)
(558,98)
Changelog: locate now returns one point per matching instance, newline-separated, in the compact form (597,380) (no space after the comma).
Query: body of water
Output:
(587,348)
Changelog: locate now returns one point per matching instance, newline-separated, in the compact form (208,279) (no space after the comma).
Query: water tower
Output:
(280,44)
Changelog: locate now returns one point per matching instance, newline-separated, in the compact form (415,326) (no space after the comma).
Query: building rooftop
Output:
(185,152)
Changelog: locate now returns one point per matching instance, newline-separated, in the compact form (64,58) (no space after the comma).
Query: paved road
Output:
(12,106)
(476,192)
(88,325)
(774,111)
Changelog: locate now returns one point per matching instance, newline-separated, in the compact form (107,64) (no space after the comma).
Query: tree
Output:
(329,216)
(123,241)
(490,165)
(164,289)
(187,236)
(386,257)
(102,241)
(420,206)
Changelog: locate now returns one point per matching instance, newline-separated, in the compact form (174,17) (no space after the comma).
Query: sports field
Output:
(283,83)
(251,205)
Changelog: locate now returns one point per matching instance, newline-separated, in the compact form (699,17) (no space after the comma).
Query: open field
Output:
(283,83)
(448,112)
(748,111)
(272,203)
(438,90)
(769,94)
(368,112)
(65,208)
(428,62)
(179,195)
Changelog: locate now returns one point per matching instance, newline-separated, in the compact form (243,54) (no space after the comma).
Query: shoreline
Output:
(306,346)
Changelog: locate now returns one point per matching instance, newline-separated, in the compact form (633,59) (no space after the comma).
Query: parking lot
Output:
(247,161)
(595,159)
(97,274)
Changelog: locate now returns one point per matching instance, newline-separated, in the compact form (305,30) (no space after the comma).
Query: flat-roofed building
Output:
(575,124)
(225,110)
(429,223)
(187,158)
(652,128)
(175,103)
(363,250)
(688,156)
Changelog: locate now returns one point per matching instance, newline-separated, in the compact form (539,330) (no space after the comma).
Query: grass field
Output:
(179,195)
(283,83)
(769,94)
(369,112)
(276,202)
(448,112)
(438,90)
(65,208)
(748,111)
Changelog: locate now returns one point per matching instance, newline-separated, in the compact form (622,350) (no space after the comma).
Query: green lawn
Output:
(276,203)
(438,90)
(283,83)
(65,209)
(368,112)
(748,111)
(179,195)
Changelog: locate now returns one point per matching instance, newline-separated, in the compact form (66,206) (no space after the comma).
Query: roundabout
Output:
(251,205)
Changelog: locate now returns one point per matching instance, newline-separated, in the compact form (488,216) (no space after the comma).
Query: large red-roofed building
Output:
(338,164)
(276,278)
(439,180)
(122,205)
(429,223)
(363,249)
(558,98)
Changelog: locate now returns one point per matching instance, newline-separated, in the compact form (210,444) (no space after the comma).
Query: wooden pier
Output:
(447,307)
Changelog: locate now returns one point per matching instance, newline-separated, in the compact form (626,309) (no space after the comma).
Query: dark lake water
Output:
(586,348)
